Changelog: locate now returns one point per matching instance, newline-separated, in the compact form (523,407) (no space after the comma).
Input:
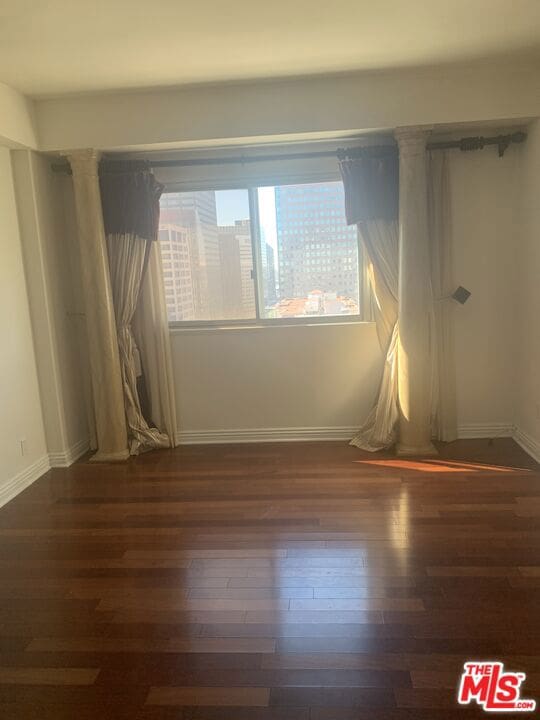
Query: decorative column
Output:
(106,379)
(415,297)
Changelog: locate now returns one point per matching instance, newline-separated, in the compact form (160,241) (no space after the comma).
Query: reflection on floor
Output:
(300,581)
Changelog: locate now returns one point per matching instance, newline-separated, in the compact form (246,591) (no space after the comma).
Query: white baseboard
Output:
(497,430)
(484,430)
(248,435)
(528,443)
(69,456)
(291,434)
(26,477)
(23,479)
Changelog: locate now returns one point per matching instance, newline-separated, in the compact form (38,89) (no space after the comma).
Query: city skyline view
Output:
(308,255)
(232,205)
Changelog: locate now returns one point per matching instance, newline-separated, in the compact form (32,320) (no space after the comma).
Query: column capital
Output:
(83,162)
(412,139)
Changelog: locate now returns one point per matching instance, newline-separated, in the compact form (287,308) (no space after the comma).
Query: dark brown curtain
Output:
(371,186)
(130,201)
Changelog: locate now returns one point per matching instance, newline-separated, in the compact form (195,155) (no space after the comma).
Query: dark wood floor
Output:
(283,581)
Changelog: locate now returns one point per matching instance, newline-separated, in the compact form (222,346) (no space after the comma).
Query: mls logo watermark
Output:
(497,690)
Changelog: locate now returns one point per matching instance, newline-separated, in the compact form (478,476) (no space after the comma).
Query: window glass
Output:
(299,279)
(205,239)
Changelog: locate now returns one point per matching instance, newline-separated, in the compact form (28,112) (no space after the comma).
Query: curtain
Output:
(151,331)
(130,202)
(371,201)
(365,295)
(380,239)
(444,422)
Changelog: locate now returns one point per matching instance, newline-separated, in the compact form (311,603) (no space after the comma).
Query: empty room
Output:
(269,360)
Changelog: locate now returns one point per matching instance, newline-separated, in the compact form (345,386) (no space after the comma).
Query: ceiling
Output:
(51,47)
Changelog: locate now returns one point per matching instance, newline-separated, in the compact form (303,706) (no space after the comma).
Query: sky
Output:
(233,205)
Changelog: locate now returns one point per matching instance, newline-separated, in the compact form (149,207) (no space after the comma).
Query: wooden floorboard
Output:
(292,581)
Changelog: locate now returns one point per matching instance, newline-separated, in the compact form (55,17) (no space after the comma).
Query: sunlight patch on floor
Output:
(440,466)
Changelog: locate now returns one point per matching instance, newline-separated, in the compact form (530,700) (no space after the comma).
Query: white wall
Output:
(318,377)
(230,112)
(486,242)
(527,356)
(43,199)
(17,120)
(20,407)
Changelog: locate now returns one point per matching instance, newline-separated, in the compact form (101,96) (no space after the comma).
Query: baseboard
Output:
(26,477)
(23,479)
(298,434)
(248,435)
(69,456)
(528,443)
(484,430)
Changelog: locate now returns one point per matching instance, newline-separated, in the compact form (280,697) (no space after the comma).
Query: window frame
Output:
(258,290)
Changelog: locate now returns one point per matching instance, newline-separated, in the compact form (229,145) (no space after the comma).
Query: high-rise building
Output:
(177,268)
(236,270)
(317,251)
(269,273)
(197,211)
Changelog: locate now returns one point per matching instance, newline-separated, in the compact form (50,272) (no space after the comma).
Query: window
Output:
(265,253)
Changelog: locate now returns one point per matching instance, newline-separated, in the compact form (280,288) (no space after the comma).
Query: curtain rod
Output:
(465,144)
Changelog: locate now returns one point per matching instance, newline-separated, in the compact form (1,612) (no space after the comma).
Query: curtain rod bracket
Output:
(502,147)
(506,140)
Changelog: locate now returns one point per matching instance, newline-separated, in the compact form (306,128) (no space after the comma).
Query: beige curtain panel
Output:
(130,203)
(371,201)
(151,331)
(444,420)
(380,240)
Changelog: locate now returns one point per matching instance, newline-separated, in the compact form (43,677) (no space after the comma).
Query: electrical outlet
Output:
(22,442)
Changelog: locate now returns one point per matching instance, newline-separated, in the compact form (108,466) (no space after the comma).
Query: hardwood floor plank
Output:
(278,629)
(216,696)
(172,617)
(153,645)
(206,553)
(321,580)
(195,604)
(314,616)
(251,593)
(333,697)
(341,605)
(433,698)
(531,571)
(477,571)
(356,713)
(47,676)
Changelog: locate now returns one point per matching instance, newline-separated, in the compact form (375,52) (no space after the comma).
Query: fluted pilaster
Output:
(415,296)
(104,363)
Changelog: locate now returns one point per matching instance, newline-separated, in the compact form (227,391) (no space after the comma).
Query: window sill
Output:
(258,325)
